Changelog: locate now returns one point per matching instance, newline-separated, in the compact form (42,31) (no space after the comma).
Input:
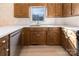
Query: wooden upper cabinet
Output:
(66,8)
(54,9)
(39,4)
(75,9)
(58,8)
(36,4)
(21,10)
(51,10)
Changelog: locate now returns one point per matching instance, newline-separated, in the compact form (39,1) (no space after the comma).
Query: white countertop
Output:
(5,30)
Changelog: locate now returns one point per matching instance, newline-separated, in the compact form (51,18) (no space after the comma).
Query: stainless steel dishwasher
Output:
(14,42)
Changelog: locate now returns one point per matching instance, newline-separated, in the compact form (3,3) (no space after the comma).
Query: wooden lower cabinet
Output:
(42,36)
(33,36)
(10,45)
(26,36)
(38,36)
(53,36)
(4,47)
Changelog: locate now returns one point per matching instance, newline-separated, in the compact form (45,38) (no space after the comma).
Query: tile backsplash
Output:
(71,21)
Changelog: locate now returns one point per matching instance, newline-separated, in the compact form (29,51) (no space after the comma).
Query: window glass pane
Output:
(38,13)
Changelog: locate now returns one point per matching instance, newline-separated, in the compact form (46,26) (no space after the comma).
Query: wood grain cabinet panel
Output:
(51,10)
(38,36)
(53,36)
(66,9)
(21,10)
(38,4)
(58,9)
(54,9)
(26,36)
(75,9)
(4,46)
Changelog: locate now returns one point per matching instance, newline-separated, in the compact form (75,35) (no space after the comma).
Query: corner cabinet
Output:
(21,10)
(4,46)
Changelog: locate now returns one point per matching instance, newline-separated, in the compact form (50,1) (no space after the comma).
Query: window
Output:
(38,13)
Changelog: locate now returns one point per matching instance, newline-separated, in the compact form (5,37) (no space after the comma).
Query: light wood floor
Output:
(43,51)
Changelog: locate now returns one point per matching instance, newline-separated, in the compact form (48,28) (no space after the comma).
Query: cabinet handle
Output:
(7,49)
(3,41)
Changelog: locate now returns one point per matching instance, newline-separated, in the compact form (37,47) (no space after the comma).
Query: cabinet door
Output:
(4,46)
(26,36)
(38,37)
(53,36)
(75,9)
(66,9)
(51,10)
(58,9)
(21,10)
(2,51)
